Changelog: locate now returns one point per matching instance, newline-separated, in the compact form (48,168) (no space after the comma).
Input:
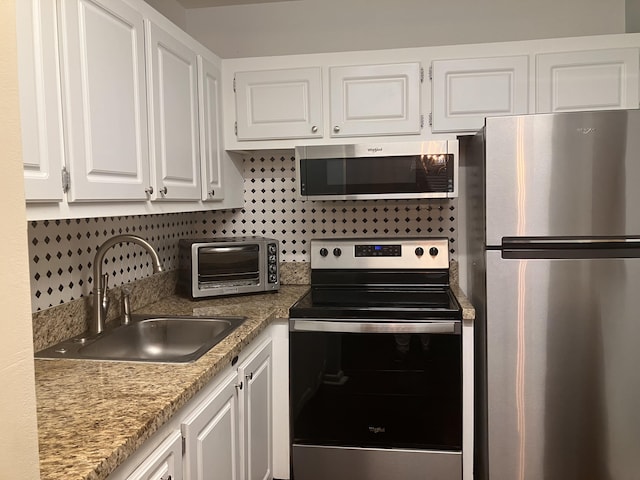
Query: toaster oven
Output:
(210,267)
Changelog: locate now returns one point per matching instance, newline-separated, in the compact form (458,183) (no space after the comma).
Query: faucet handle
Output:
(126,304)
(104,285)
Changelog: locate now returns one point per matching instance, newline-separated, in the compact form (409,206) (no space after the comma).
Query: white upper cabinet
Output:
(278,104)
(104,102)
(173,120)
(465,91)
(211,151)
(587,80)
(40,100)
(375,100)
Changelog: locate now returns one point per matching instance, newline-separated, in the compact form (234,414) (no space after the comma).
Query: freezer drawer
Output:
(562,368)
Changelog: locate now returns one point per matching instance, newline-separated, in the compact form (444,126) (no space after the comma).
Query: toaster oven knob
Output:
(419,251)
(272,259)
(337,252)
(324,252)
(433,251)
(272,248)
(273,278)
(272,269)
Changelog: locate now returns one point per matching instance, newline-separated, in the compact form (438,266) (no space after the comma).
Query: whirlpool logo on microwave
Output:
(374,149)
(377,430)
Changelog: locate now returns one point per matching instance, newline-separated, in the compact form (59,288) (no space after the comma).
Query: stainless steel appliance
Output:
(383,170)
(554,241)
(375,363)
(210,267)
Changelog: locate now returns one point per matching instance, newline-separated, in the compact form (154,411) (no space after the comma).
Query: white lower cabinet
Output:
(212,435)
(230,432)
(164,463)
(225,432)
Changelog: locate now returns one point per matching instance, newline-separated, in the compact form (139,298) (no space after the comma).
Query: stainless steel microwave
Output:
(213,267)
(378,171)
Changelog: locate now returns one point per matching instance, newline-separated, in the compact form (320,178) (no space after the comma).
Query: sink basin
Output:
(161,339)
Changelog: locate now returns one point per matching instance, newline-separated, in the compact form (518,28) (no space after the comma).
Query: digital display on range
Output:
(378,250)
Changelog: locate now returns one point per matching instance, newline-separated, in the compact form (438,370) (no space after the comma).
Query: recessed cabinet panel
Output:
(375,100)
(256,410)
(211,435)
(466,91)
(279,104)
(104,100)
(588,80)
(174,116)
(40,100)
(164,463)
(211,152)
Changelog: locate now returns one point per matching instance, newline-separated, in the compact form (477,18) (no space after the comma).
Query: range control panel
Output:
(396,253)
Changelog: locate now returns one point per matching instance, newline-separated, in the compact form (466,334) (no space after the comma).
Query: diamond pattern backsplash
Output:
(61,251)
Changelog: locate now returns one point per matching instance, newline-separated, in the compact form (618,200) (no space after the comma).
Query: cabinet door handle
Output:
(163,190)
(239,386)
(336,129)
(314,129)
(166,477)
(249,377)
(149,190)
(212,193)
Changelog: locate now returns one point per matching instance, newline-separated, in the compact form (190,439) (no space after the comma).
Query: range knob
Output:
(324,252)
(337,252)
(433,251)
(419,251)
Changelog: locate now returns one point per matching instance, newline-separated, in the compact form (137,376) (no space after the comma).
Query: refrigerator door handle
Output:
(570,247)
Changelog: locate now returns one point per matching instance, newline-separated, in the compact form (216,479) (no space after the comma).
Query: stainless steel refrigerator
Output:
(553,209)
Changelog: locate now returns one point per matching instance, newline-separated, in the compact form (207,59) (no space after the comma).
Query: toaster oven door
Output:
(228,266)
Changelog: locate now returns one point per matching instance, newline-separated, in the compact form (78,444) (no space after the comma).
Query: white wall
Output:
(172,10)
(19,440)
(315,26)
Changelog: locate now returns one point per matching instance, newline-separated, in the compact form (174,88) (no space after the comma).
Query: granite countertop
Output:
(92,415)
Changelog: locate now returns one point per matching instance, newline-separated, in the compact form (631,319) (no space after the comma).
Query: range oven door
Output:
(375,400)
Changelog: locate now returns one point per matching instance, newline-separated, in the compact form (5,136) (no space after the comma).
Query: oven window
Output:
(376,390)
(402,174)
(229,266)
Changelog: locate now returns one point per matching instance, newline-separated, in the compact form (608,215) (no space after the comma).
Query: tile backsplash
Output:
(61,251)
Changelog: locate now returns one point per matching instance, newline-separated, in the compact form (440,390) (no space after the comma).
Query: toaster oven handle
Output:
(330,326)
(225,249)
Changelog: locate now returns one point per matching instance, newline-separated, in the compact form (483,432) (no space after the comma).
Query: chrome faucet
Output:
(100,288)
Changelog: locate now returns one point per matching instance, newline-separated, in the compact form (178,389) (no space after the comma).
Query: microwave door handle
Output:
(444,327)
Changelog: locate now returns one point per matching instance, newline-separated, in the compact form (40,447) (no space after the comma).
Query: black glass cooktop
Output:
(393,303)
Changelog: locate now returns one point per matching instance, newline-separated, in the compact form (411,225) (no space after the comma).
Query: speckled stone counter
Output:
(92,415)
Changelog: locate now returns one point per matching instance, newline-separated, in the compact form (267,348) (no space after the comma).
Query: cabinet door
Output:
(211,151)
(211,435)
(165,463)
(277,104)
(40,99)
(256,413)
(375,100)
(173,127)
(587,80)
(104,100)
(465,91)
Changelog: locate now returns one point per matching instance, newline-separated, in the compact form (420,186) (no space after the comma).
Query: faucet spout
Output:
(100,305)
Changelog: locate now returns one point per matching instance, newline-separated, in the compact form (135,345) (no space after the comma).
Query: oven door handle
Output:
(444,327)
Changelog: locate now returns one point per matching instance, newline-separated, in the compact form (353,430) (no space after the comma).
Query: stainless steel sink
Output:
(161,339)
